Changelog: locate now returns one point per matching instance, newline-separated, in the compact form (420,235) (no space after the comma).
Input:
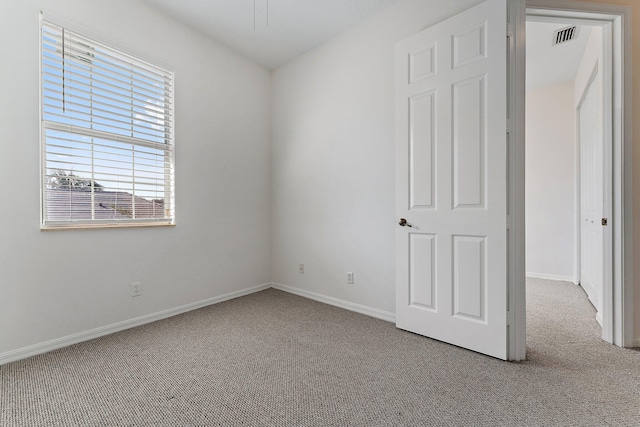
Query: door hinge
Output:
(509,223)
(604,221)
(509,318)
(509,29)
(508,125)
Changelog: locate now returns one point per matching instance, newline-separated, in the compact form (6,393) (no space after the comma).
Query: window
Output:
(107,135)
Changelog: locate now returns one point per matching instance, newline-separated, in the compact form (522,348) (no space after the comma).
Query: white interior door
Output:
(451,151)
(591,195)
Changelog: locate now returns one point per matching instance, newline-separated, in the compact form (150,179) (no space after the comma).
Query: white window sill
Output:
(102,226)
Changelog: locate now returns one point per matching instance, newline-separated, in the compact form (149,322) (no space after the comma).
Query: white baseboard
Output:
(57,343)
(347,305)
(552,277)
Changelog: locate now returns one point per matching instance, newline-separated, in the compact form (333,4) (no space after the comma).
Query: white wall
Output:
(551,182)
(54,284)
(333,172)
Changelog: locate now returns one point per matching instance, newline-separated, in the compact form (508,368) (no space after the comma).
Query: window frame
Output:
(166,149)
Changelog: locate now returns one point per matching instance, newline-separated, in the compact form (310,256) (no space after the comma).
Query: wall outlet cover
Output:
(136,289)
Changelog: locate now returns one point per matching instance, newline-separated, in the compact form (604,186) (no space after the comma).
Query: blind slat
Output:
(54,78)
(82,44)
(77,131)
(78,118)
(109,98)
(135,122)
(103,75)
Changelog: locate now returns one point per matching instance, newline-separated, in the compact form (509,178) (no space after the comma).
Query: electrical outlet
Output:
(350,278)
(301,268)
(136,289)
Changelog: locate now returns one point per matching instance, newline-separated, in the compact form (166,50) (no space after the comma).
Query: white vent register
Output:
(564,35)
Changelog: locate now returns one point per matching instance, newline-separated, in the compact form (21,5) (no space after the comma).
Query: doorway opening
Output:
(565,150)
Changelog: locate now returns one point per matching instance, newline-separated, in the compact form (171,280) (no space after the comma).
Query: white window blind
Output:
(107,134)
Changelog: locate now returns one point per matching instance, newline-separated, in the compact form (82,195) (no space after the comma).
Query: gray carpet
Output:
(275,359)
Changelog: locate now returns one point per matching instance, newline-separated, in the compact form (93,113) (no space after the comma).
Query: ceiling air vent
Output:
(565,34)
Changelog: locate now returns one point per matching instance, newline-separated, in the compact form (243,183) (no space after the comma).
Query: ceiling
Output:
(274,31)
(548,64)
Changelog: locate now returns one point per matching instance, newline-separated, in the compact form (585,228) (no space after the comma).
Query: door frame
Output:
(620,288)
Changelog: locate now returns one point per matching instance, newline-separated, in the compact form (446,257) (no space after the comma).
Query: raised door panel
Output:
(422,116)
(422,266)
(469,123)
(469,281)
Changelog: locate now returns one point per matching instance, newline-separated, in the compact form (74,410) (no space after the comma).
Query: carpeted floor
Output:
(275,359)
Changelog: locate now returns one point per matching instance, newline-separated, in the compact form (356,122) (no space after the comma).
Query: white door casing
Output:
(590,135)
(451,186)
